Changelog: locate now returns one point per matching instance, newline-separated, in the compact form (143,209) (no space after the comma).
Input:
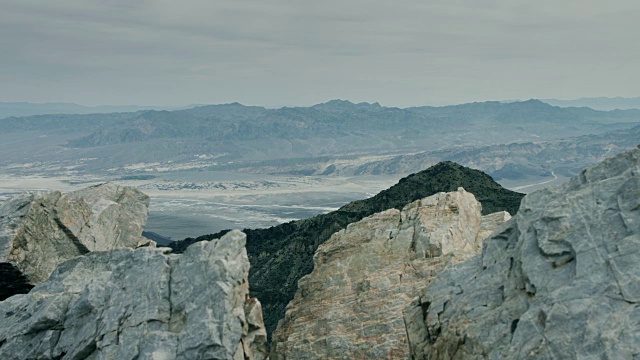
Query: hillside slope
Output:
(282,254)
(566,157)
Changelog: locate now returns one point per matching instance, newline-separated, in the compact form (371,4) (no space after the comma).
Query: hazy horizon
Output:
(276,106)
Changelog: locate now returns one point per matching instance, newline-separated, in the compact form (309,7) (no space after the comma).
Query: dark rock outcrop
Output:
(12,281)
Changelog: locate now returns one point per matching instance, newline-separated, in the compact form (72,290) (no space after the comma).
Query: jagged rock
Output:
(140,304)
(106,216)
(559,280)
(38,231)
(282,254)
(350,306)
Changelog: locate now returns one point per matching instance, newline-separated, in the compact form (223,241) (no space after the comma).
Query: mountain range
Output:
(598,103)
(564,157)
(9,109)
(234,136)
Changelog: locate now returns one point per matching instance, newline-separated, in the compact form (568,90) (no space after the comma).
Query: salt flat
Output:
(193,204)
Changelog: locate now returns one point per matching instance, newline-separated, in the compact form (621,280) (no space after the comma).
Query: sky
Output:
(296,52)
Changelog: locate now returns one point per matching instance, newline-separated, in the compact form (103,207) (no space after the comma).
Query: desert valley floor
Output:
(189,204)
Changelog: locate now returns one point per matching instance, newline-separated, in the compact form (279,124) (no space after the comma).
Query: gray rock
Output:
(38,231)
(559,280)
(106,216)
(350,306)
(491,221)
(142,304)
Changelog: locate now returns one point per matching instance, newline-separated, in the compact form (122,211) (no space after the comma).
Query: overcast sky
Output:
(296,52)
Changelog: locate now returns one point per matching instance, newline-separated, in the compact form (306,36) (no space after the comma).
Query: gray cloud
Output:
(407,52)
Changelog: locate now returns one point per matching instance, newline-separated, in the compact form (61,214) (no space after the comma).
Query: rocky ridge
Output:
(350,306)
(282,254)
(560,280)
(40,230)
(142,304)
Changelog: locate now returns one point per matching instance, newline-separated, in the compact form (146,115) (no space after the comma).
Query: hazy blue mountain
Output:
(8,109)
(599,103)
(235,134)
(338,106)
(565,157)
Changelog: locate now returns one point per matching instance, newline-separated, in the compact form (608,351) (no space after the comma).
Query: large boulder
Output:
(350,306)
(560,280)
(40,230)
(140,304)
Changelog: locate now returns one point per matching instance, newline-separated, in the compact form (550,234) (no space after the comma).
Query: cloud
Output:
(407,52)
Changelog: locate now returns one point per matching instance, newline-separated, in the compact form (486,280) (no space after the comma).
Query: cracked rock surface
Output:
(561,280)
(350,306)
(40,230)
(140,304)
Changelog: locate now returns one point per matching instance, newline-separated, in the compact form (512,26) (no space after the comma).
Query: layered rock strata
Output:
(560,280)
(350,306)
(140,304)
(40,230)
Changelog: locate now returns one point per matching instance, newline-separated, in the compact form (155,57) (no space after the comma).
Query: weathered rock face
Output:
(142,304)
(491,222)
(38,231)
(350,306)
(560,280)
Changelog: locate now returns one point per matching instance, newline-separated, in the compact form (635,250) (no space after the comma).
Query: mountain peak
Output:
(343,105)
(445,176)
(532,104)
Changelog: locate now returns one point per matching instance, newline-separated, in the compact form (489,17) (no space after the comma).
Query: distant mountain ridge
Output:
(599,103)
(566,157)
(236,133)
(9,109)
(282,254)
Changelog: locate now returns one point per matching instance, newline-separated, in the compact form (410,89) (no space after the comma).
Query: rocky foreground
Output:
(105,292)
(40,230)
(350,306)
(140,304)
(559,281)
